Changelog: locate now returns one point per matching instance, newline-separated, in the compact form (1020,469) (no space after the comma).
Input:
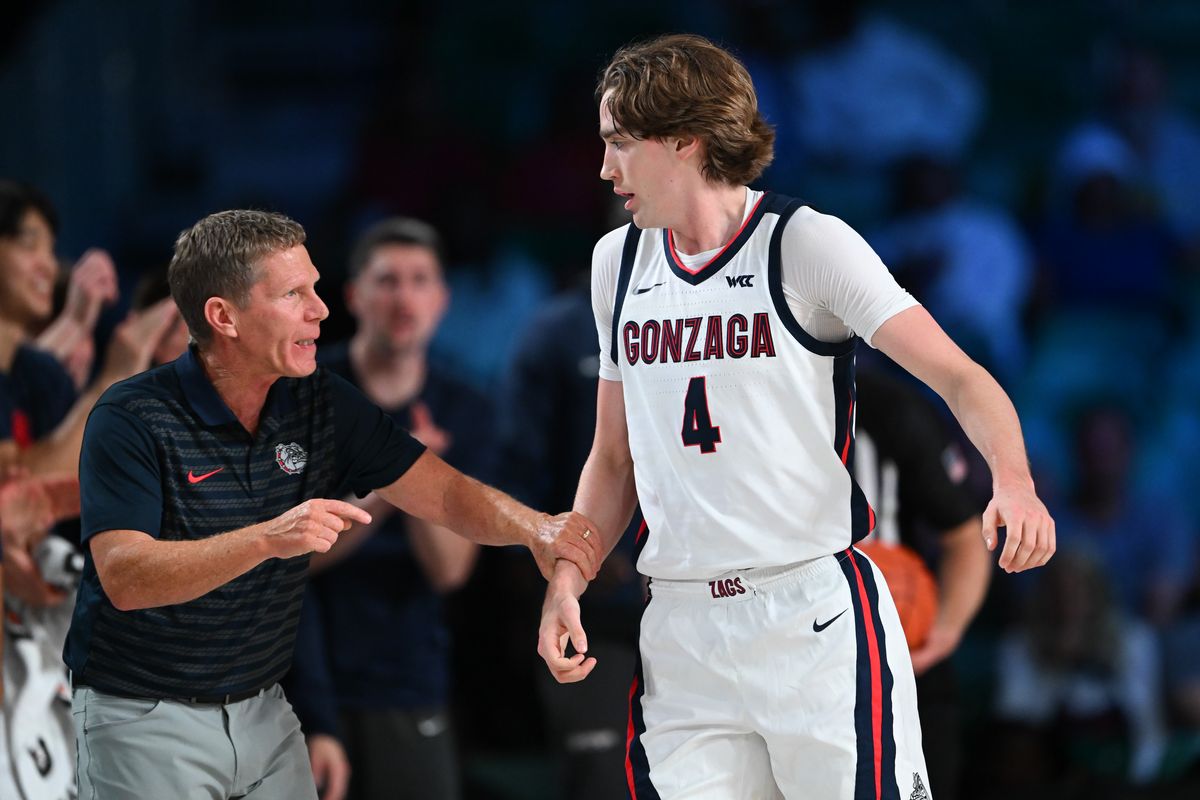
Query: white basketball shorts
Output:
(785,682)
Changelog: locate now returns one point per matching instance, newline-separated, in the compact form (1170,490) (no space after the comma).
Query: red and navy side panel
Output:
(637,766)
(862,516)
(875,776)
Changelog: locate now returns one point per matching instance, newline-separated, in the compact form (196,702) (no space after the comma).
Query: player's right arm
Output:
(607,496)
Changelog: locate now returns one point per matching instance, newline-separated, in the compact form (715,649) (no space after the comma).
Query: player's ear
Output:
(687,146)
(222,316)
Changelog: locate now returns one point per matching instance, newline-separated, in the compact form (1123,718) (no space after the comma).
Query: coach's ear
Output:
(222,317)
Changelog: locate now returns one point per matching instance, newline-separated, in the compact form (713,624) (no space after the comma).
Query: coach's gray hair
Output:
(219,257)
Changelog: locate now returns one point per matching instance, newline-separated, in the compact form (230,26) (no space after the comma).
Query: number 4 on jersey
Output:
(698,430)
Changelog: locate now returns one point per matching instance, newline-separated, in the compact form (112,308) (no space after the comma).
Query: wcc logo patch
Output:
(291,458)
(739,280)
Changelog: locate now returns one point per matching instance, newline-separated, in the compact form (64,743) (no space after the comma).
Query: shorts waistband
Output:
(739,582)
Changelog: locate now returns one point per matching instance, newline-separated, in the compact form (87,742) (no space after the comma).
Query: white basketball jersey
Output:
(741,424)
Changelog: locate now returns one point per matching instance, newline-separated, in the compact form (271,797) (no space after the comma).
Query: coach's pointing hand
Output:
(570,536)
(312,526)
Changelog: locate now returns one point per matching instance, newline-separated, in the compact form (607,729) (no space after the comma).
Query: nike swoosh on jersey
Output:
(197,478)
(820,626)
(643,290)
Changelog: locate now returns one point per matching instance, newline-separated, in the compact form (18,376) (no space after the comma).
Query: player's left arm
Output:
(916,342)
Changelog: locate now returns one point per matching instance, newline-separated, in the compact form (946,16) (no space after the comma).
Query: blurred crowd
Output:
(452,211)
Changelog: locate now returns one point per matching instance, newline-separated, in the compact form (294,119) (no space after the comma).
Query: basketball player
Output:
(772,659)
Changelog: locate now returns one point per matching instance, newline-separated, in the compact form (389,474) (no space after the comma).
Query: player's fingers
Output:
(578,637)
(1028,548)
(991,521)
(577,672)
(1051,541)
(1012,540)
(347,511)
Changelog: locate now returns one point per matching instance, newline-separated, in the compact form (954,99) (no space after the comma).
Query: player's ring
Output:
(586,533)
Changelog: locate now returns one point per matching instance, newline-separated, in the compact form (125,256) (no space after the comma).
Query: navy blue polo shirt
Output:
(164,455)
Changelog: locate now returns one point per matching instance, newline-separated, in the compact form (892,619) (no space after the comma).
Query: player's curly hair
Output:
(219,257)
(684,85)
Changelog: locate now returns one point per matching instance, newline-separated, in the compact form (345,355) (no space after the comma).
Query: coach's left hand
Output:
(570,536)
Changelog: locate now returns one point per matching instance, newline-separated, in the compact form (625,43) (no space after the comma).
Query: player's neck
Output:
(390,376)
(709,218)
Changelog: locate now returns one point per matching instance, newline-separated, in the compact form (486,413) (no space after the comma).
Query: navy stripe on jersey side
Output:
(637,765)
(775,281)
(862,518)
(864,772)
(888,740)
(628,252)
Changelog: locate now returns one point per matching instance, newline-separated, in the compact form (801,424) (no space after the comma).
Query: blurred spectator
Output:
(1141,540)
(371,672)
(1080,689)
(913,475)
(967,262)
(41,431)
(1165,144)
(546,426)
(88,286)
(1098,247)
(869,90)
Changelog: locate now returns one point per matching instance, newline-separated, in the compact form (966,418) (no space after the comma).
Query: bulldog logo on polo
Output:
(291,457)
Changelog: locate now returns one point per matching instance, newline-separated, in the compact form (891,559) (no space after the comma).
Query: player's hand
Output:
(939,644)
(1030,539)
(136,338)
(561,624)
(93,285)
(311,527)
(330,766)
(571,537)
(426,431)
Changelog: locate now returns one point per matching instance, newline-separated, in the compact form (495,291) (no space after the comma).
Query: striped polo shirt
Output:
(164,455)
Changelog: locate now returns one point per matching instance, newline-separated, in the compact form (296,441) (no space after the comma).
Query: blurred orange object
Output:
(912,584)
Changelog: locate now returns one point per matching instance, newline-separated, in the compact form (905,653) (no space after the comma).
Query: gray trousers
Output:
(130,748)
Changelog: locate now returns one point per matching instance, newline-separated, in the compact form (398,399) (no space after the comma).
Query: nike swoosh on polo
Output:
(820,626)
(647,288)
(197,478)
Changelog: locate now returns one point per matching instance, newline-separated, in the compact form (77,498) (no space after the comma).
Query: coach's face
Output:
(279,326)
(27,270)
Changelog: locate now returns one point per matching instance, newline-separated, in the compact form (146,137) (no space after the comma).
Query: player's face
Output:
(399,297)
(279,326)
(641,170)
(27,271)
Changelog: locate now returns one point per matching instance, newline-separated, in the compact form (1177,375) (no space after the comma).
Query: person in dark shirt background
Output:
(372,669)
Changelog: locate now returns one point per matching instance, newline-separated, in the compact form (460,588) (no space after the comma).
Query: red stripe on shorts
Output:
(876,684)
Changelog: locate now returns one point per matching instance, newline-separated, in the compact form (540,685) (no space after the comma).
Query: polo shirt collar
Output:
(204,399)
